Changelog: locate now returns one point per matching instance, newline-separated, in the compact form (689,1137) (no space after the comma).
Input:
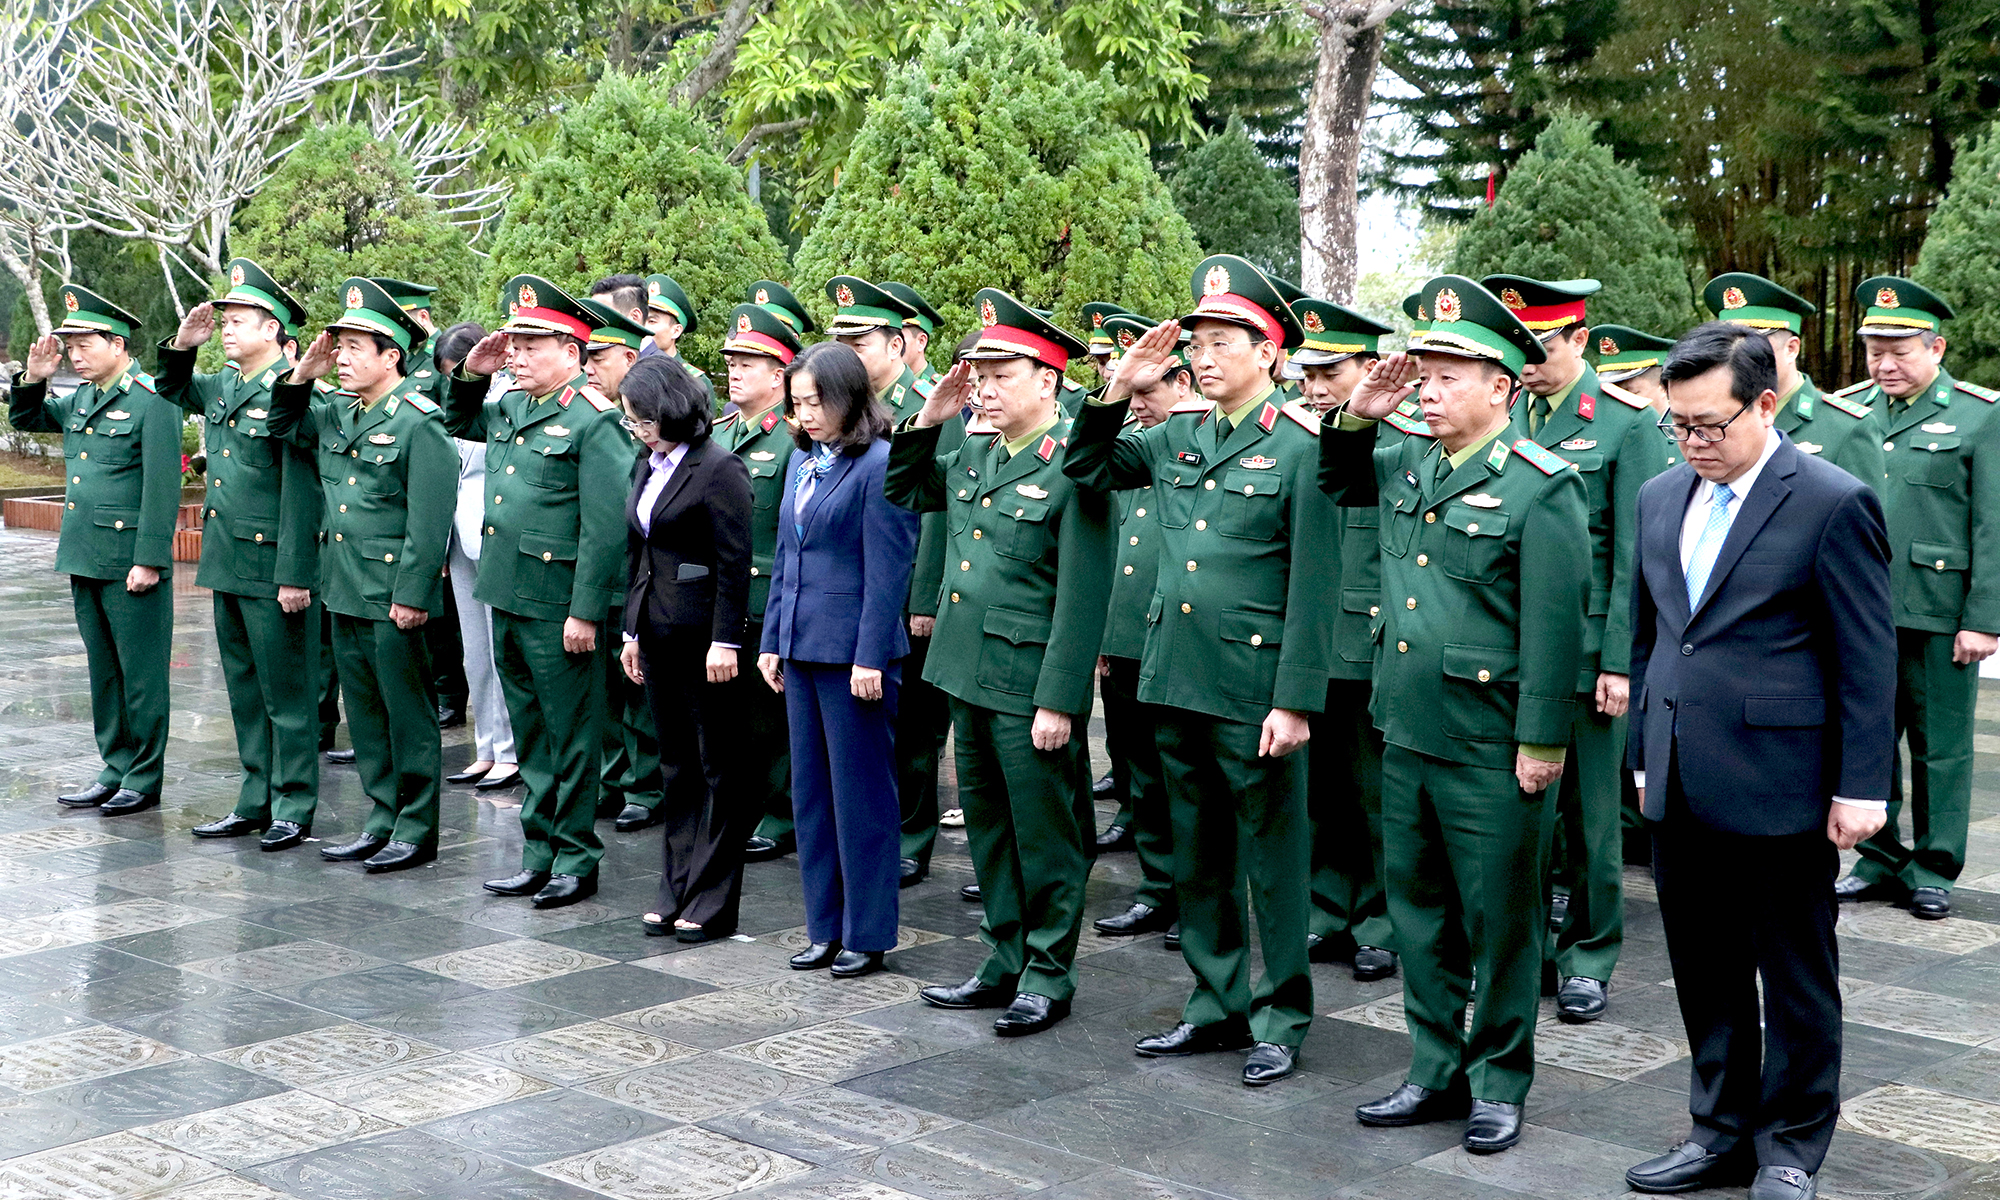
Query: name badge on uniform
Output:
(1031,491)
(382,439)
(256,414)
(1189,457)
(1482,500)
(1257,462)
(117,416)
(1410,477)
(1579,444)
(1934,427)
(556,431)
(762,455)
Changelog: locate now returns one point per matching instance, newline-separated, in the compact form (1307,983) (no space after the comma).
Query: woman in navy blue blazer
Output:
(834,641)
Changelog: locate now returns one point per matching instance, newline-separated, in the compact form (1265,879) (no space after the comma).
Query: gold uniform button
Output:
(1187,608)
(754,572)
(232,422)
(260,537)
(354,454)
(1210,485)
(1933,445)
(1402,647)
(218,483)
(1430,518)
(489,531)
(343,508)
(547,555)
(1249,489)
(497,497)
(88,429)
(1256,639)
(1135,541)
(986,502)
(339,538)
(1472,528)
(954,597)
(1138,512)
(85,454)
(1423,560)
(76,479)
(1201,524)
(965,564)
(1486,677)
(1190,564)
(976,535)
(519,441)
(350,479)
(1888,445)
(1939,564)
(121,525)
(1411,603)
(961,493)
(225,454)
(72,504)
(388,558)
(1019,511)
(211,512)
(1374,610)
(1128,569)
(510,470)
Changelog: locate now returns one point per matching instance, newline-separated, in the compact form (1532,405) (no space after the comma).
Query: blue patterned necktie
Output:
(811,471)
(1709,544)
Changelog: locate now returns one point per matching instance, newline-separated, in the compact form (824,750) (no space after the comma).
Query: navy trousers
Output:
(844,807)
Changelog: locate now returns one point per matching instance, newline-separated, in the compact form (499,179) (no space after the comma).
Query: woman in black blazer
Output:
(686,615)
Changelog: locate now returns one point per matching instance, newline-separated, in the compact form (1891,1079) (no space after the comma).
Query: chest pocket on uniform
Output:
(254,448)
(1178,496)
(762,494)
(377,470)
(552,464)
(1023,526)
(1251,504)
(960,488)
(1934,461)
(113,443)
(1475,543)
(1398,518)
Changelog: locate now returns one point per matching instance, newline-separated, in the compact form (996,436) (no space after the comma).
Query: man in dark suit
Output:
(1763,651)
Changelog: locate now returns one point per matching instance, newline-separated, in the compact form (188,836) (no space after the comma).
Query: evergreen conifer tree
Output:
(1238,203)
(1961,260)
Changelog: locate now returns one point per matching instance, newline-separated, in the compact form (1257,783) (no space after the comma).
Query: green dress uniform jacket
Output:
(765,446)
(1028,568)
(1838,428)
(1128,729)
(424,372)
(1135,573)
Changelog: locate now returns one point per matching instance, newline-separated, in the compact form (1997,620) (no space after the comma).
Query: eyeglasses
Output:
(631,426)
(1219,349)
(1678,432)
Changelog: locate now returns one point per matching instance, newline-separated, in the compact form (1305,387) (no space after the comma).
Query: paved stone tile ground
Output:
(189,1020)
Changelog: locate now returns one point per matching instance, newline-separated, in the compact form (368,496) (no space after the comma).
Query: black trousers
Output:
(708,812)
(1778,1088)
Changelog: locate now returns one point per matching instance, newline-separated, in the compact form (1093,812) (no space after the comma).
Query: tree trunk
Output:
(1350,37)
(713,69)
(28,271)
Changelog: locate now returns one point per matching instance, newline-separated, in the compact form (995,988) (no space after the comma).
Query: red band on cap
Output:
(758,343)
(1028,345)
(1543,317)
(570,324)
(1231,307)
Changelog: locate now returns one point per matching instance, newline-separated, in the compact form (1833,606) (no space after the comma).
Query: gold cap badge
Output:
(1606,346)
(1448,305)
(354,297)
(743,323)
(1312,322)
(528,297)
(1887,298)
(763,296)
(653,287)
(236,275)
(988,314)
(69,301)
(1125,338)
(1734,298)
(1216,282)
(1513,299)
(844,296)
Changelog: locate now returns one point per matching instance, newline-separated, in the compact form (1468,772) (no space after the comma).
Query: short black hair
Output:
(1752,363)
(966,345)
(626,292)
(666,396)
(887,332)
(844,392)
(383,343)
(457,342)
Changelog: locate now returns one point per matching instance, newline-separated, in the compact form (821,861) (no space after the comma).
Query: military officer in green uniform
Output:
(1940,491)
(671,317)
(1630,359)
(1103,342)
(122,448)
(1350,911)
(917,331)
(874,322)
(1486,561)
(415,299)
(1612,441)
(259,553)
(1237,655)
(783,305)
(1028,570)
(389,482)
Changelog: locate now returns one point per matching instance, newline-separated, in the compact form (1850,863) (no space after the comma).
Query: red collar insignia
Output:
(769,422)
(563,400)
(1586,406)
(1267,418)
(1047,449)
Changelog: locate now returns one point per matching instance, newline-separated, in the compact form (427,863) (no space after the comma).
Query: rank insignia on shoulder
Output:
(598,400)
(1307,419)
(1854,388)
(1415,426)
(257,414)
(1257,462)
(1047,450)
(1586,406)
(1538,458)
(1939,427)
(1267,418)
(557,431)
(925,389)
(382,439)
(1031,491)
(420,404)
(1844,401)
(694,372)
(1189,458)
(769,422)
(1810,447)
(1972,389)
(1579,444)
(762,455)
(117,416)
(1194,406)
(1482,500)
(1628,399)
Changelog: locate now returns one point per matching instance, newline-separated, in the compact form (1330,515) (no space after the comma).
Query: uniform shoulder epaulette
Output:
(693,371)
(1845,401)
(1853,388)
(1193,406)
(1538,458)
(421,403)
(1629,399)
(147,381)
(722,422)
(1306,417)
(1972,389)
(321,386)
(1414,426)
(925,388)
(597,400)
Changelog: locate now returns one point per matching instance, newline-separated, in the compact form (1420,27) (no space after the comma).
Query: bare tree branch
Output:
(759,132)
(442,153)
(37,210)
(721,57)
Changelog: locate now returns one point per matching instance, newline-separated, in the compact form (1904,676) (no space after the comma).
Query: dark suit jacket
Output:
(837,592)
(693,569)
(1778,691)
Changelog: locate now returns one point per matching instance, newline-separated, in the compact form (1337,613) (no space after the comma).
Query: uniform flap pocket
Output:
(1024,508)
(762,470)
(1796,711)
(1590,461)
(116,518)
(548,547)
(1020,628)
(1475,522)
(1940,557)
(1242,481)
(1253,628)
(687,571)
(247,431)
(1363,518)
(254,531)
(381,549)
(555,446)
(1359,600)
(1938,443)
(379,454)
(1481,664)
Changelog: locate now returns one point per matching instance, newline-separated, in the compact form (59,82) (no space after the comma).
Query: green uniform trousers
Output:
(1466,855)
(271,664)
(386,678)
(329,684)
(1935,699)
(1025,813)
(1344,803)
(1591,841)
(1118,746)
(127,640)
(631,771)
(1241,842)
(1128,733)
(923,718)
(560,741)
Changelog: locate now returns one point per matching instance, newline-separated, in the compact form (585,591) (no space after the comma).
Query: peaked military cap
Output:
(1010,329)
(1543,306)
(1227,288)
(1333,332)
(1095,313)
(252,287)
(1413,308)
(779,299)
(1741,298)
(1287,289)
(609,327)
(859,306)
(1623,352)
(537,307)
(760,329)
(1899,307)
(84,311)
(369,309)
(923,316)
(412,296)
(666,295)
(1471,322)
(1124,328)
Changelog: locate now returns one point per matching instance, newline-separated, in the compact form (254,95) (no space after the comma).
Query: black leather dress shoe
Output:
(1373,962)
(497,781)
(1195,1039)
(1028,1014)
(399,856)
(1269,1063)
(283,835)
(344,757)
(853,964)
(1140,918)
(1173,940)
(1411,1104)
(1686,1168)
(461,778)
(527,883)
(1853,887)
(565,890)
(1926,903)
(1104,786)
(366,846)
(913,873)
(971,894)
(1558,910)
(703,933)
(125,800)
(634,817)
(1113,839)
(229,827)
(1580,1000)
(763,849)
(1783,1183)
(90,797)
(1321,949)
(449,717)
(1492,1127)
(970,994)
(816,957)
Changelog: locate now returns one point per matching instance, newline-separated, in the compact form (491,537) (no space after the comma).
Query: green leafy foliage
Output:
(991,163)
(1238,203)
(1570,210)
(632,182)
(1961,260)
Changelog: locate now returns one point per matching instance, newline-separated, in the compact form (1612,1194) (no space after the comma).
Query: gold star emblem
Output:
(1125,338)
(1421,315)
(1887,298)
(1312,322)
(1734,298)
(236,275)
(1216,282)
(1606,346)
(528,297)
(1513,299)
(1097,320)
(987,313)
(844,296)
(763,296)
(354,297)
(1448,306)
(652,287)
(743,323)
(69,301)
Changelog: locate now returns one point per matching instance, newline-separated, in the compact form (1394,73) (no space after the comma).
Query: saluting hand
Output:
(197,327)
(1388,383)
(1145,361)
(952,392)
(319,358)
(43,358)
(488,356)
